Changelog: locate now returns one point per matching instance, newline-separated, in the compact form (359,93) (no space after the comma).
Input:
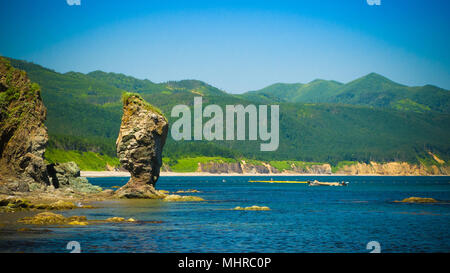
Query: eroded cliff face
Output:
(215,167)
(142,136)
(373,168)
(23,135)
(311,169)
(393,168)
(237,167)
(244,167)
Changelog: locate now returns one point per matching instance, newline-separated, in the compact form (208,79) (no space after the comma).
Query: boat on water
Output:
(274,181)
(310,183)
(336,184)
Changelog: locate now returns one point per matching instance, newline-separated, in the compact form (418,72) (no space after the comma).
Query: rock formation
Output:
(311,169)
(356,168)
(23,135)
(139,145)
(417,200)
(393,168)
(252,208)
(67,175)
(23,138)
(244,167)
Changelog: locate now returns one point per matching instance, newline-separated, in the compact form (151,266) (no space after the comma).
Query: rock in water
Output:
(140,142)
(23,135)
(67,175)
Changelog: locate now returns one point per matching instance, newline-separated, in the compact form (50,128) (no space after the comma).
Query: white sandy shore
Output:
(125,174)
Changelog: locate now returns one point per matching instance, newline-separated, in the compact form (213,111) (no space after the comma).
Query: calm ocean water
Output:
(302,219)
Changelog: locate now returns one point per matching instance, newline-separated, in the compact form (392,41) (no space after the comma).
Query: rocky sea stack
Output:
(23,135)
(142,136)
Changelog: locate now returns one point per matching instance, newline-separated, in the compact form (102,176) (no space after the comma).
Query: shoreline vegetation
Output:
(96,174)
(220,166)
(91,161)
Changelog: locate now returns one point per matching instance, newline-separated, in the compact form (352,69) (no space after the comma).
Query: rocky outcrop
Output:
(244,167)
(217,167)
(181,198)
(241,167)
(257,168)
(393,168)
(357,168)
(23,135)
(252,208)
(23,138)
(50,218)
(67,175)
(139,145)
(418,200)
(311,169)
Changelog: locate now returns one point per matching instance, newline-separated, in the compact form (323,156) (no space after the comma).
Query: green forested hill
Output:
(370,90)
(315,91)
(370,118)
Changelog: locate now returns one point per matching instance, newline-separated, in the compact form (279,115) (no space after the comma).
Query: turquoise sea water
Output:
(302,218)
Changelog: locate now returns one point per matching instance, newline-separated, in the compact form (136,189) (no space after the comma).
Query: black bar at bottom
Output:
(232,262)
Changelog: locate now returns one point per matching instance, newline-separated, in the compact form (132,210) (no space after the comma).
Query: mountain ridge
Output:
(371,90)
(84,114)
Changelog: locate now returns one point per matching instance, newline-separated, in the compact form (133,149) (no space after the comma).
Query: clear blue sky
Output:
(234,45)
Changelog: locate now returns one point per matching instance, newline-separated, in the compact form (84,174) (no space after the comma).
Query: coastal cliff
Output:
(244,167)
(23,135)
(23,139)
(215,166)
(141,139)
(393,168)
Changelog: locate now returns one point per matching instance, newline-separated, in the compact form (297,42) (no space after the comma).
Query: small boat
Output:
(335,184)
(273,181)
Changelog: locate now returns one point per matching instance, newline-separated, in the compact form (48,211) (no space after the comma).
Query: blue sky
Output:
(234,45)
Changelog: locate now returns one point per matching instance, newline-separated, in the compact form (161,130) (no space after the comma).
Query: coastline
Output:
(96,174)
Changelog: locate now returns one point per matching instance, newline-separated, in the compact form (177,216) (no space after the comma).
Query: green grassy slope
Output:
(87,161)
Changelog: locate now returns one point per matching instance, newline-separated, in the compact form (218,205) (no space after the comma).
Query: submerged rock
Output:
(187,191)
(11,204)
(78,223)
(50,218)
(119,219)
(252,208)
(180,198)
(59,205)
(140,142)
(418,200)
(45,218)
(23,135)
